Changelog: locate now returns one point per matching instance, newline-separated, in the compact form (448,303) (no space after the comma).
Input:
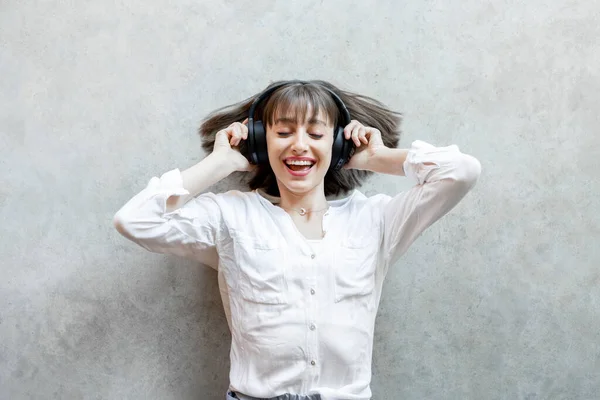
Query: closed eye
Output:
(312,135)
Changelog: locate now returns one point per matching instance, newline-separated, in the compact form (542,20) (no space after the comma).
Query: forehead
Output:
(301,105)
(296,118)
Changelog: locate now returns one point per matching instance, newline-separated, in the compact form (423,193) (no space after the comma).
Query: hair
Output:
(295,99)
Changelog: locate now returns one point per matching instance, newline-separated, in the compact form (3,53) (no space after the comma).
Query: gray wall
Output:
(499,300)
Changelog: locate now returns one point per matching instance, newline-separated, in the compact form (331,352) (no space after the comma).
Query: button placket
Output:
(312,335)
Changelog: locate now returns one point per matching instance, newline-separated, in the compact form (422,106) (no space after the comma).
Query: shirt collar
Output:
(270,201)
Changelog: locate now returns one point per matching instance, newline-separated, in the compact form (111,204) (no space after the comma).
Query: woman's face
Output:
(300,151)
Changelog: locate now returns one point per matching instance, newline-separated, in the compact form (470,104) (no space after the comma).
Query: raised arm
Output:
(442,177)
(169,216)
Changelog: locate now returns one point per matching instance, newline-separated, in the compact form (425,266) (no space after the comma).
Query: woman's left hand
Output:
(367,141)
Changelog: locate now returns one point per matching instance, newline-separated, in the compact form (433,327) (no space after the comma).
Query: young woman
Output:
(300,273)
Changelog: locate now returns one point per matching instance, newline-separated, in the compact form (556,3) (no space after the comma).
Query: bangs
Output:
(302,103)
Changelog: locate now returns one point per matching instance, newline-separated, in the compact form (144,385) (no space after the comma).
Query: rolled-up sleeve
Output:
(442,177)
(190,230)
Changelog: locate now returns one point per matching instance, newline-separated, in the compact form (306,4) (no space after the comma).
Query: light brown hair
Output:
(295,99)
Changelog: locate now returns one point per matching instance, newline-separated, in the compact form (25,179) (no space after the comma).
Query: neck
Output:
(312,200)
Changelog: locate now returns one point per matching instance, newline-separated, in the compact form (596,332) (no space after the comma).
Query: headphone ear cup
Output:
(338,158)
(250,146)
(348,149)
(260,143)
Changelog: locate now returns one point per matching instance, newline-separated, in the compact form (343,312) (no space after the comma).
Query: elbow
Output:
(469,171)
(120,224)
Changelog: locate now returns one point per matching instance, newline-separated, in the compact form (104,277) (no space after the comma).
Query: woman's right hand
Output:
(227,145)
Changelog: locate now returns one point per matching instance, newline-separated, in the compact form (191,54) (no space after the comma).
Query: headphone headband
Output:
(341,106)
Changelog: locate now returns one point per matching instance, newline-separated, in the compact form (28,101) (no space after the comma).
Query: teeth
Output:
(298,162)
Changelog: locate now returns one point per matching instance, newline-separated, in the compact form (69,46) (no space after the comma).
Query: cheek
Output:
(325,151)
(272,146)
(274,150)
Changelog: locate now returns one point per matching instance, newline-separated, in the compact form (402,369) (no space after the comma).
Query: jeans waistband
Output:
(287,396)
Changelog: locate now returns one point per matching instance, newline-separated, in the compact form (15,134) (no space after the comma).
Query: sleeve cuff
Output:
(423,158)
(170,183)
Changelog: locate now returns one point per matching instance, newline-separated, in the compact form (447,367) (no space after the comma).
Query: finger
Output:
(355,133)
(237,133)
(245,122)
(348,129)
(360,135)
(244,129)
(231,136)
(230,132)
(363,136)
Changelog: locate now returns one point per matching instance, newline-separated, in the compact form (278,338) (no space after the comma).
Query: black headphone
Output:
(257,135)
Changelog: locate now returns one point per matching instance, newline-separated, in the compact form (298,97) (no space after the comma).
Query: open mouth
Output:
(299,167)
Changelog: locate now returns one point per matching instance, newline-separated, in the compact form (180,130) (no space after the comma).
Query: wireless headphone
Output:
(257,135)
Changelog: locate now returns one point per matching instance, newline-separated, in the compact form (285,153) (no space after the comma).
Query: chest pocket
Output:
(261,266)
(355,267)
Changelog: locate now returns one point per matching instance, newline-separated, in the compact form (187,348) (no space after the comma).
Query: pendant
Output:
(302,211)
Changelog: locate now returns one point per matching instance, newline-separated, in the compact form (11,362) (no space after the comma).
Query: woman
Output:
(300,275)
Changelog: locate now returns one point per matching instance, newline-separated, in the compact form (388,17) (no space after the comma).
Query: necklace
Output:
(304,211)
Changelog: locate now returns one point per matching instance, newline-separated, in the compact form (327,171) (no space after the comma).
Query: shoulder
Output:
(236,200)
(361,201)
(362,211)
(230,202)
(231,209)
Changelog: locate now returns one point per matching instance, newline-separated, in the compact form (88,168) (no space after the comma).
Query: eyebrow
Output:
(287,120)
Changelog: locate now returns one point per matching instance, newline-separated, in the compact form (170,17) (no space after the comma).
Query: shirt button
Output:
(312,291)
(312,256)
(313,362)
(312,327)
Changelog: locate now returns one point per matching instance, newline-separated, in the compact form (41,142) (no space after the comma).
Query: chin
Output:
(299,186)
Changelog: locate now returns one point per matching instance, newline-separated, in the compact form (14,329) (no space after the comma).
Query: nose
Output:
(300,144)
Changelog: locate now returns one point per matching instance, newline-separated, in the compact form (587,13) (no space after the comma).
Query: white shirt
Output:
(301,314)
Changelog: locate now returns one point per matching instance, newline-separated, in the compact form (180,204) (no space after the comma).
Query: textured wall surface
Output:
(498,300)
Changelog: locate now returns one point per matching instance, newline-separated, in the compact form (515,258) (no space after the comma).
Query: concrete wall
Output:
(499,300)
